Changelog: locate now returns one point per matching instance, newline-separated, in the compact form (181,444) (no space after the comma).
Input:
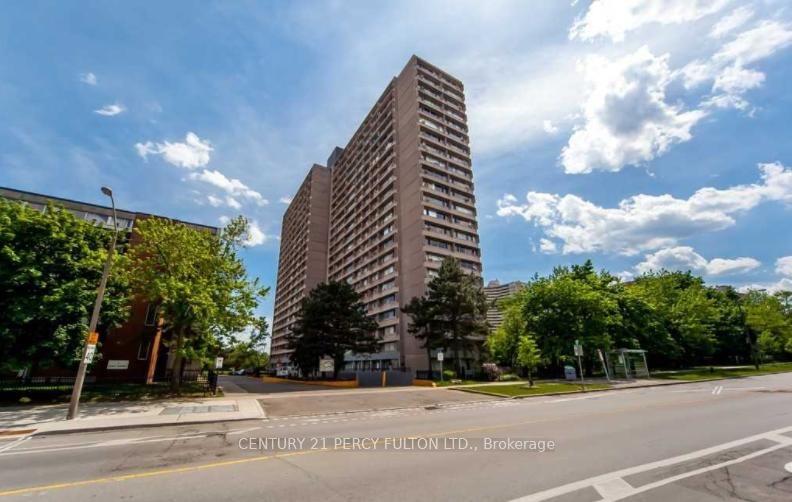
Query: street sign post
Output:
(440,357)
(579,354)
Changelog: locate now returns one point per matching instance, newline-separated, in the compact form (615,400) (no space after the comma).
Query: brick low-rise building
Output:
(136,351)
(384,212)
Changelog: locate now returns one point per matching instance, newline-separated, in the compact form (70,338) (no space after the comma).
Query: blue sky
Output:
(641,134)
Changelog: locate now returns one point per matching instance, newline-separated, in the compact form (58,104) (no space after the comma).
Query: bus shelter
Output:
(628,363)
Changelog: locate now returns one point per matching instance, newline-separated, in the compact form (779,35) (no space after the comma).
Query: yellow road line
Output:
(199,467)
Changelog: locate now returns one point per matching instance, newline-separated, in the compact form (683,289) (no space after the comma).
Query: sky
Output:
(641,134)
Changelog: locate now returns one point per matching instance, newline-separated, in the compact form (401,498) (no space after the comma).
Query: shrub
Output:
(509,377)
(449,374)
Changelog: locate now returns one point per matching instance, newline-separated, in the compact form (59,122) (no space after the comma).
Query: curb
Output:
(59,432)
(669,384)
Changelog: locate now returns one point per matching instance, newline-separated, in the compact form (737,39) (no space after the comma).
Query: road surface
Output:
(728,440)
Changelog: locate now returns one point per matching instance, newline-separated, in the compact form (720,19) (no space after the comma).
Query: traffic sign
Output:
(90,350)
(440,356)
(578,349)
(218,363)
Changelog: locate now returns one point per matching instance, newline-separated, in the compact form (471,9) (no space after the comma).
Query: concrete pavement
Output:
(98,416)
(712,441)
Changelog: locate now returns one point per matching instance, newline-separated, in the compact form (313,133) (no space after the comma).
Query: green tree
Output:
(765,314)
(528,356)
(574,303)
(424,326)
(199,282)
(688,312)
(504,342)
(331,322)
(245,355)
(460,309)
(50,265)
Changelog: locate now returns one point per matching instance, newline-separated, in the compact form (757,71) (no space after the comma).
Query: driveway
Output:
(251,385)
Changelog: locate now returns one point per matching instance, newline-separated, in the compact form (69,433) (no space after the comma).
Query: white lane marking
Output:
(110,443)
(616,487)
(788,467)
(774,435)
(717,390)
(685,475)
(242,431)
(15,443)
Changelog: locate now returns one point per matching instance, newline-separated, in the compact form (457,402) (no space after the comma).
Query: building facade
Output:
(136,351)
(302,260)
(401,200)
(495,291)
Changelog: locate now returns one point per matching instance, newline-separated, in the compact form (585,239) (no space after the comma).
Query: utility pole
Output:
(91,339)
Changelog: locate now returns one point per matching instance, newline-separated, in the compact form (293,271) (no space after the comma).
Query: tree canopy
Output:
(199,282)
(454,309)
(50,266)
(675,316)
(332,321)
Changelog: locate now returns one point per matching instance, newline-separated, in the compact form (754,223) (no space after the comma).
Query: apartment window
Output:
(151,314)
(434,257)
(438,244)
(389,330)
(389,270)
(387,315)
(389,347)
(143,350)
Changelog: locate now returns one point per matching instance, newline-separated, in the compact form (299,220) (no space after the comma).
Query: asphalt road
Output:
(727,440)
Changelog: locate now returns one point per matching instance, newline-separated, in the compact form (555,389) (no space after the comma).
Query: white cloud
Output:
(731,21)
(110,110)
(626,118)
(285,200)
(549,127)
(728,70)
(783,284)
(88,78)
(232,186)
(614,18)
(233,203)
(547,246)
(256,236)
(784,266)
(214,201)
(191,154)
(645,222)
(684,258)
(755,44)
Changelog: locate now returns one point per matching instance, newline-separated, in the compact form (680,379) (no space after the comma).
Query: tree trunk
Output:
(176,373)
(429,359)
(530,377)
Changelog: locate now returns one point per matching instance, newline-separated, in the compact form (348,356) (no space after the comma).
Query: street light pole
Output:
(90,343)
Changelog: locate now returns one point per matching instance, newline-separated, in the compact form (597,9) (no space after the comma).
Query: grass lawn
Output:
(100,393)
(522,389)
(705,373)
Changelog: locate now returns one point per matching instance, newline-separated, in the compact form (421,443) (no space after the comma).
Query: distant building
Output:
(495,291)
(384,213)
(136,351)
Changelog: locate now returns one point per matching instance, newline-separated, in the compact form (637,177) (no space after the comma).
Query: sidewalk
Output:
(51,419)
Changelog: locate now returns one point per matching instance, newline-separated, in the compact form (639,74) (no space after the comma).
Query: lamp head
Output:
(107,191)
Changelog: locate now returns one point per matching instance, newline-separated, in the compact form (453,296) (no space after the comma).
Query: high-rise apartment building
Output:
(400,200)
(495,291)
(303,255)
